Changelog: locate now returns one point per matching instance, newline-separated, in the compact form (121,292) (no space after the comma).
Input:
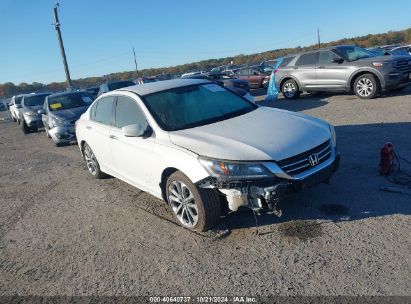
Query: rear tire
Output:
(91,162)
(290,89)
(195,208)
(366,86)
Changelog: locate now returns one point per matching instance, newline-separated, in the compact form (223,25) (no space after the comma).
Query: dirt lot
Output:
(64,233)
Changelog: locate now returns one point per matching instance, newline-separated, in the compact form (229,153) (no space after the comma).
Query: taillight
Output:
(275,71)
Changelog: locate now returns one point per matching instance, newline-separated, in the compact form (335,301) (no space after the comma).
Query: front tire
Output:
(366,86)
(91,162)
(265,83)
(290,89)
(47,132)
(24,127)
(195,208)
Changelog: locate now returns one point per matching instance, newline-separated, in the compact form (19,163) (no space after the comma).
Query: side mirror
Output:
(337,60)
(41,111)
(136,130)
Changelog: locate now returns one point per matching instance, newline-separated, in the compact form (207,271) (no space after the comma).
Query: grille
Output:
(300,163)
(404,65)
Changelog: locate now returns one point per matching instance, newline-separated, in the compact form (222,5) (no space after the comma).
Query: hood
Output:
(34,108)
(264,134)
(70,114)
(385,58)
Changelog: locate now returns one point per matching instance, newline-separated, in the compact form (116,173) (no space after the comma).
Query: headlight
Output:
(333,136)
(29,113)
(58,122)
(234,170)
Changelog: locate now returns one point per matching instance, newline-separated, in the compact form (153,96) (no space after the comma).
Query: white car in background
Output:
(198,146)
(15,106)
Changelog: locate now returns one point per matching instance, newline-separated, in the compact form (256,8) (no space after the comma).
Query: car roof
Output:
(153,87)
(321,49)
(37,94)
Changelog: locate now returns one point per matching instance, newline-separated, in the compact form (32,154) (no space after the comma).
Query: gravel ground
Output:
(64,233)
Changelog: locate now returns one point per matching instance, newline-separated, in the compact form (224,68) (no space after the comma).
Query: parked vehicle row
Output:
(57,113)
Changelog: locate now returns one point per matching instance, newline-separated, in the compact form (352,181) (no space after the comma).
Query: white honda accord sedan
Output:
(203,148)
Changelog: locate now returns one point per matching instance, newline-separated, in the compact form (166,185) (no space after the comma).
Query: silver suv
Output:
(343,68)
(30,118)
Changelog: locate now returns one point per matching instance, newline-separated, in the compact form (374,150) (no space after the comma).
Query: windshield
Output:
(18,99)
(64,102)
(196,105)
(34,100)
(119,85)
(352,53)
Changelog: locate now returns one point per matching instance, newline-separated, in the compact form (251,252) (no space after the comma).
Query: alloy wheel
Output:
(365,87)
(289,89)
(182,203)
(90,160)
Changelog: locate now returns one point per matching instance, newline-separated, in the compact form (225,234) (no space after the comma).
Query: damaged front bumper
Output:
(265,194)
(63,134)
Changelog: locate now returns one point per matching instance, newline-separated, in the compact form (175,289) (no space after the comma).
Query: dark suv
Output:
(343,68)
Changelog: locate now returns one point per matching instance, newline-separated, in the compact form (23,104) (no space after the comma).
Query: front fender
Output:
(367,70)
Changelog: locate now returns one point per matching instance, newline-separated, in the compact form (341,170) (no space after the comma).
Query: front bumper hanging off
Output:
(265,194)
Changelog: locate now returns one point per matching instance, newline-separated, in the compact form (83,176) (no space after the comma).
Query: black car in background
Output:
(223,80)
(93,91)
(114,85)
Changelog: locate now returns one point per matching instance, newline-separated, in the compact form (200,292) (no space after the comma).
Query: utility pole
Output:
(135,60)
(318,35)
(63,53)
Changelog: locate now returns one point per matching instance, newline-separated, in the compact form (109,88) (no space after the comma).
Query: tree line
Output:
(392,37)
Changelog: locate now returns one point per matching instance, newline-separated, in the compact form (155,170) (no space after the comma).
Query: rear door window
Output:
(103,111)
(308,59)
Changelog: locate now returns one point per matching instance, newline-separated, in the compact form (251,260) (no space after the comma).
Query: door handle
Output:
(321,67)
(88,128)
(113,137)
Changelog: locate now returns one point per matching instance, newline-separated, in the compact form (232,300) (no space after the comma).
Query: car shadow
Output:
(354,192)
(305,102)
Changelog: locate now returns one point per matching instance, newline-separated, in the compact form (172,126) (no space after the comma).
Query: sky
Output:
(99,35)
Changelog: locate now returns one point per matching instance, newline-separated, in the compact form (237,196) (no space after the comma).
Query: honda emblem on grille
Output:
(313,159)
